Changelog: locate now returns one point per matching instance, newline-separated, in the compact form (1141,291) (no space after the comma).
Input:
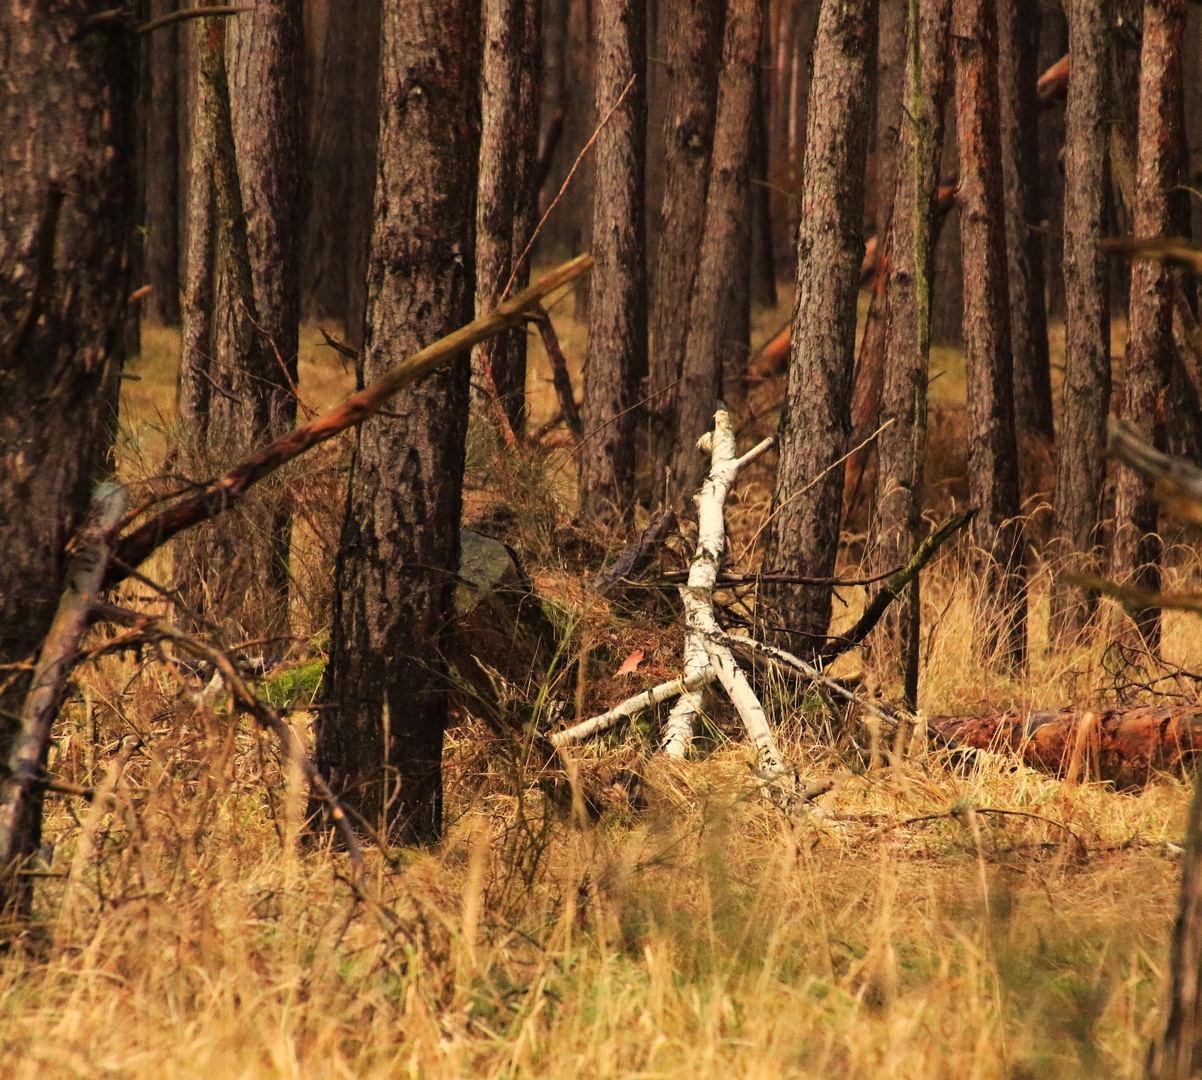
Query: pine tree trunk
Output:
(693,36)
(1053,44)
(1018,71)
(1081,464)
(901,447)
(1158,211)
(341,175)
(66,214)
(713,307)
(830,247)
(890,77)
(161,245)
(504,178)
(399,550)
(992,446)
(617,341)
(238,367)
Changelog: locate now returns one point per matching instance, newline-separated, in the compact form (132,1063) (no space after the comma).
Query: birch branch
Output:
(630,708)
(55,661)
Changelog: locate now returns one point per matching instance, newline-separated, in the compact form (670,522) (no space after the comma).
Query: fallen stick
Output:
(218,496)
(635,558)
(246,698)
(560,378)
(27,755)
(629,709)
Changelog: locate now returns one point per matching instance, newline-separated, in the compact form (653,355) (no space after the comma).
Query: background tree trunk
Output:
(398,555)
(1081,464)
(815,422)
(67,192)
(693,36)
(1158,211)
(504,178)
(891,62)
(992,448)
(342,167)
(235,390)
(901,447)
(711,305)
(617,338)
(161,142)
(1018,72)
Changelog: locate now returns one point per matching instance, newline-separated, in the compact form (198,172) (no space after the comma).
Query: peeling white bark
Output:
(630,708)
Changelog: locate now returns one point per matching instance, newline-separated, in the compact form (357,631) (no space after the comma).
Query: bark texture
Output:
(992,446)
(380,743)
(1081,465)
(711,310)
(238,365)
(1018,72)
(830,247)
(161,155)
(66,213)
(901,447)
(693,34)
(1157,211)
(509,117)
(617,335)
(342,167)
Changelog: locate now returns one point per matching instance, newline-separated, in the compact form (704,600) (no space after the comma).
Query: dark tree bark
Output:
(816,420)
(1018,72)
(341,176)
(1157,211)
(693,36)
(238,368)
(891,61)
(714,307)
(1081,464)
(992,444)
(617,337)
(901,447)
(398,555)
(763,254)
(509,114)
(161,201)
(1053,44)
(67,190)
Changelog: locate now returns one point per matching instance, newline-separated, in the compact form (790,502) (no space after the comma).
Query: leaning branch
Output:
(221,494)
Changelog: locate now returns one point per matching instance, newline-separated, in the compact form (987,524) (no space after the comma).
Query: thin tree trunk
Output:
(890,80)
(266,81)
(901,447)
(711,307)
(66,214)
(992,444)
(504,166)
(617,340)
(816,419)
(1081,464)
(161,250)
(341,176)
(693,34)
(234,389)
(1053,44)
(1158,211)
(1018,71)
(399,550)
(763,254)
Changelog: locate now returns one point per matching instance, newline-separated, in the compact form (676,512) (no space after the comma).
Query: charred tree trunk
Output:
(693,33)
(830,247)
(901,447)
(236,389)
(992,448)
(508,115)
(66,214)
(1081,465)
(161,154)
(398,554)
(1158,211)
(711,307)
(342,167)
(617,337)
(1018,72)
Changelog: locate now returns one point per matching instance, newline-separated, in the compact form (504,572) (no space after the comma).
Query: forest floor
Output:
(188,928)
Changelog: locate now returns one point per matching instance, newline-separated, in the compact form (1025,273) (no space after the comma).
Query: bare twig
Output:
(191,13)
(221,494)
(559,374)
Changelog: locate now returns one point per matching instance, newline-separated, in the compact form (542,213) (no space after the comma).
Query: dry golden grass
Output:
(191,928)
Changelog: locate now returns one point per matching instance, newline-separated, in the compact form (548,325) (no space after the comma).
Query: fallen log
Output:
(1123,746)
(636,558)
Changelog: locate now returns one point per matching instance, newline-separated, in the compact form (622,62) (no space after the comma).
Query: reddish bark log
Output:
(1123,746)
